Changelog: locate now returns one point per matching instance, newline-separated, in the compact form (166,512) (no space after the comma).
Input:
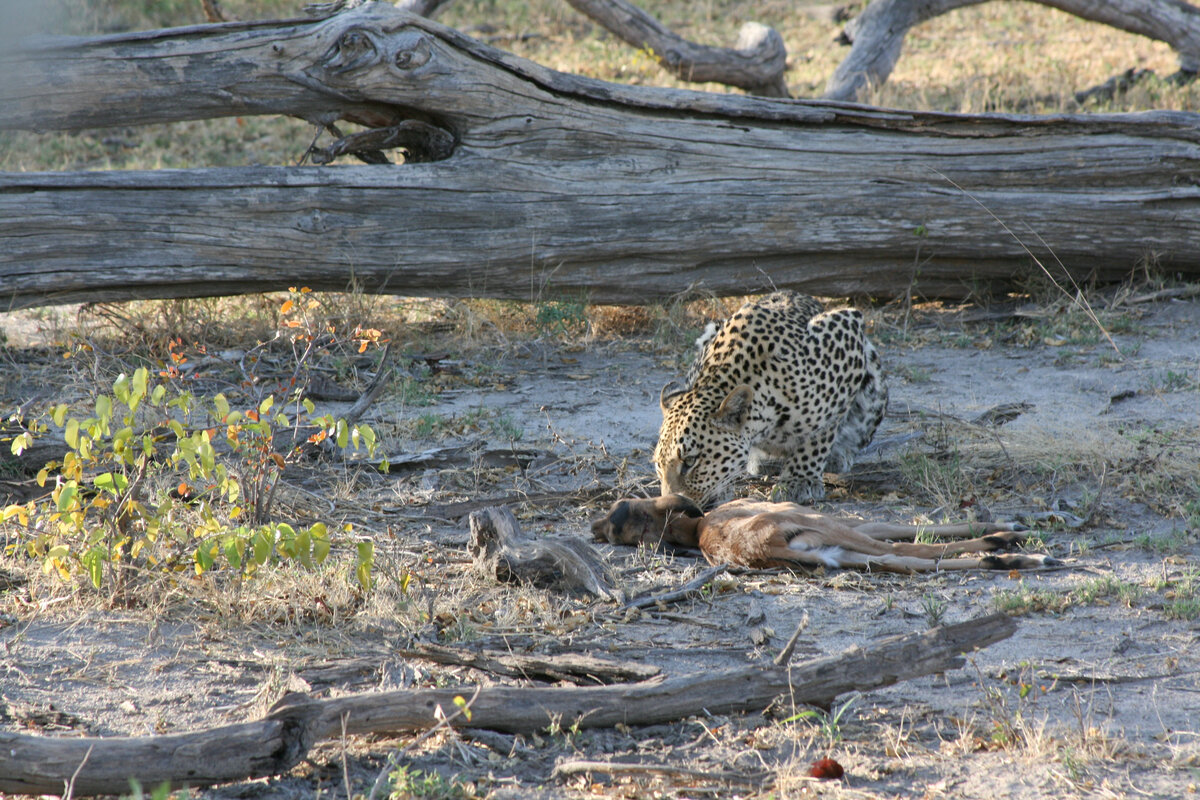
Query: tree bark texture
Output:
(878,33)
(756,63)
(538,184)
(38,764)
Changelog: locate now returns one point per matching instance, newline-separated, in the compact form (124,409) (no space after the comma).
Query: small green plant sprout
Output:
(414,784)
(561,318)
(934,608)
(829,722)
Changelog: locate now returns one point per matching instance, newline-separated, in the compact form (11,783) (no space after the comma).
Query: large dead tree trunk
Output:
(41,765)
(550,183)
(878,33)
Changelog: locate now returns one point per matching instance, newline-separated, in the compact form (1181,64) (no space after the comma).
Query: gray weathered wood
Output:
(506,553)
(756,63)
(40,765)
(877,34)
(559,184)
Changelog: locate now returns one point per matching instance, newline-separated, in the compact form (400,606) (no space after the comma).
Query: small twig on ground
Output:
(568,768)
(1180,292)
(70,788)
(345,760)
(676,594)
(373,389)
(785,655)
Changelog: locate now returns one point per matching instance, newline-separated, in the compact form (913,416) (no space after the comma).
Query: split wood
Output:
(42,765)
(568,768)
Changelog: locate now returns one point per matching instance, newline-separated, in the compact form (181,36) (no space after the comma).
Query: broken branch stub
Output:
(506,553)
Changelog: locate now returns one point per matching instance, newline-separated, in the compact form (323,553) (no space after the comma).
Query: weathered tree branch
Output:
(878,33)
(558,184)
(41,765)
(756,63)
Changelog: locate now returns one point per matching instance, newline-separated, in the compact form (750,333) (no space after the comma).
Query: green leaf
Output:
(141,378)
(59,414)
(208,457)
(203,557)
(104,408)
(120,390)
(234,548)
(93,561)
(320,540)
(222,406)
(285,539)
(368,435)
(20,443)
(71,434)
(366,560)
(343,434)
(262,546)
(265,405)
(304,549)
(309,406)
(157,395)
(66,495)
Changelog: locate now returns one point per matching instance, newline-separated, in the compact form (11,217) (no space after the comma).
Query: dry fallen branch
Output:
(692,586)
(568,768)
(756,63)
(572,667)
(37,764)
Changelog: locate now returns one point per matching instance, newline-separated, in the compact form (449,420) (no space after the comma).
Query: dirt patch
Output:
(1098,692)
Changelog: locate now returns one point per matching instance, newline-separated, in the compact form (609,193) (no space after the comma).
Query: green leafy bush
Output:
(167,481)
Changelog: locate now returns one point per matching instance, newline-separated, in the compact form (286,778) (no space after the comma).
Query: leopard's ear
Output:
(734,409)
(669,394)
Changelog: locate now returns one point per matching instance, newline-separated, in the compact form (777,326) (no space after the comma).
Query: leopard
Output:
(781,385)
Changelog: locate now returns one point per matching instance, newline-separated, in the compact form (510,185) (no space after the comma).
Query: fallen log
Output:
(39,764)
(561,185)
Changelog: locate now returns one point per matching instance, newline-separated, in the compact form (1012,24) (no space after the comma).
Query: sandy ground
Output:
(1100,698)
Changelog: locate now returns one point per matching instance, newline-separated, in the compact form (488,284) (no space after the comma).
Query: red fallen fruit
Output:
(826,769)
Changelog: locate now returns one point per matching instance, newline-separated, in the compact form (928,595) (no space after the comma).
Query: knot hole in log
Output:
(403,52)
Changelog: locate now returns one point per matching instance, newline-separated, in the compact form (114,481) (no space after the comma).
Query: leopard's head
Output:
(702,446)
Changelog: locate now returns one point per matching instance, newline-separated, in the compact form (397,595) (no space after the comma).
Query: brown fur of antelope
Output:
(759,534)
